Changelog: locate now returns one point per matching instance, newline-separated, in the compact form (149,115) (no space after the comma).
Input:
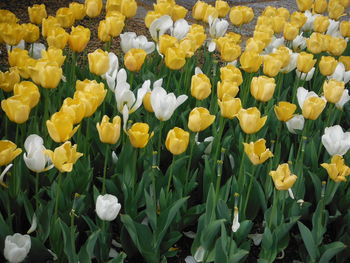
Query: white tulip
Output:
(111,74)
(299,42)
(21,45)
(130,40)
(340,74)
(107,207)
(305,76)
(35,50)
(303,94)
(217,28)
(344,99)
(295,123)
(274,44)
(34,158)
(190,259)
(199,255)
(308,26)
(333,28)
(17,247)
(335,140)
(164,104)
(180,29)
(235,223)
(292,64)
(160,26)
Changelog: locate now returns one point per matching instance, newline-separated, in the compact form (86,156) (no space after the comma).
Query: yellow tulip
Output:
(250,120)
(50,75)
(232,74)
(229,106)
(200,86)
(282,177)
(54,55)
(65,17)
(262,88)
(150,17)
(305,62)
(75,108)
(134,59)
(278,23)
(315,43)
(166,41)
(28,91)
(270,11)
(210,11)
(240,15)
(304,5)
(175,58)
(335,10)
(163,8)
(78,10)
(346,62)
(320,6)
(102,31)
(139,135)
(147,102)
(222,7)
(16,109)
(200,119)
(98,62)
(229,51)
(327,65)
(8,152)
(79,38)
(7,16)
(250,61)
(257,152)
(60,127)
(37,13)
(282,11)
(188,46)
(337,46)
(333,90)
(113,5)
(254,45)
(64,156)
(337,170)
(12,34)
(93,8)
(31,33)
(48,24)
(8,79)
(290,31)
(283,55)
(199,9)
(177,141)
(321,24)
(264,34)
(57,37)
(272,65)
(128,8)
(114,25)
(178,12)
(197,34)
(285,110)
(298,19)
(228,87)
(109,132)
(313,107)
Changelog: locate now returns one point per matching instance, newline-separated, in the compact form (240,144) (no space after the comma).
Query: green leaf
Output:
(308,241)
(119,259)
(209,233)
(210,205)
(151,211)
(69,245)
(331,250)
(86,252)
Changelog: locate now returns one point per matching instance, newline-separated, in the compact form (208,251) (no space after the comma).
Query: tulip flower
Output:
(93,8)
(130,40)
(250,61)
(178,12)
(57,37)
(340,73)
(217,29)
(102,32)
(17,247)
(271,66)
(232,74)
(240,15)
(299,43)
(200,85)
(282,177)
(335,140)
(78,10)
(12,34)
(337,170)
(335,10)
(37,13)
(229,106)
(250,120)
(31,33)
(146,101)
(321,23)
(199,10)
(114,25)
(310,103)
(166,41)
(257,151)
(305,62)
(8,152)
(285,110)
(35,158)
(98,62)
(150,17)
(16,109)
(320,6)
(222,7)
(200,119)
(175,58)
(165,104)
(295,123)
(79,38)
(262,88)
(60,127)
(344,99)
(327,65)
(109,132)
(48,74)
(128,8)
(231,88)
(48,24)
(75,108)
(177,141)
(107,207)
(8,79)
(134,59)
(64,156)
(7,16)
(65,17)
(139,135)
(333,90)
(159,26)
(53,55)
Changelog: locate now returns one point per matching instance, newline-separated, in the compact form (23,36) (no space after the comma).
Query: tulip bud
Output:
(178,12)
(304,5)
(48,24)
(113,5)
(333,90)
(290,31)
(315,43)
(232,74)
(12,34)
(229,51)
(57,37)
(8,79)
(60,127)
(114,25)
(31,33)
(271,66)
(285,110)
(7,16)
(175,58)
(229,106)
(98,62)
(337,47)
(282,177)
(327,65)
(28,91)
(103,31)
(8,152)
(305,62)
(79,38)
(17,247)
(313,107)
(16,110)
(147,102)
(65,17)
(109,132)
(107,207)
(250,120)
(320,6)
(177,141)
(262,88)
(335,10)
(257,152)
(200,86)
(200,119)
(128,8)
(250,61)
(227,87)
(134,59)
(78,10)
(298,19)
(139,135)
(222,7)
(199,10)
(321,24)
(37,13)
(93,8)
(278,24)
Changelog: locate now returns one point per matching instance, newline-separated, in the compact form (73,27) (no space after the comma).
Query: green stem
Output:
(171,173)
(248,192)
(218,137)
(37,191)
(190,158)
(58,186)
(107,150)
(219,174)
(160,139)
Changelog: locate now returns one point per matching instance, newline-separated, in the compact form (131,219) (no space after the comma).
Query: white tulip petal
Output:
(160,26)
(34,225)
(344,99)
(180,29)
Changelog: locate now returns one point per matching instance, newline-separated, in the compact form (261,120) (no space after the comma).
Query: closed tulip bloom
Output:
(337,170)
(16,110)
(345,28)
(65,17)
(210,11)
(337,47)
(257,151)
(64,156)
(54,55)
(250,61)
(74,107)
(90,101)
(304,5)
(107,207)
(250,120)
(114,25)
(60,127)
(107,131)
(31,33)
(200,86)
(17,247)
(290,31)
(335,140)
(232,74)
(285,110)
(48,24)
(29,93)
(113,5)
(227,87)
(229,51)
(93,90)
(139,135)
(305,62)
(199,9)
(310,103)
(320,6)
(335,10)
(346,62)
(229,106)
(222,7)
(78,10)
(283,54)
(321,24)
(327,65)
(200,119)
(254,45)
(134,59)
(298,19)
(177,141)
(333,90)
(197,34)
(315,43)
(178,12)
(262,88)
(175,58)
(8,152)
(8,79)
(57,37)
(79,38)
(50,75)
(278,24)
(147,102)
(37,13)
(282,177)
(128,8)
(98,62)
(7,16)
(166,41)
(102,32)
(271,66)
(93,8)
(12,34)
